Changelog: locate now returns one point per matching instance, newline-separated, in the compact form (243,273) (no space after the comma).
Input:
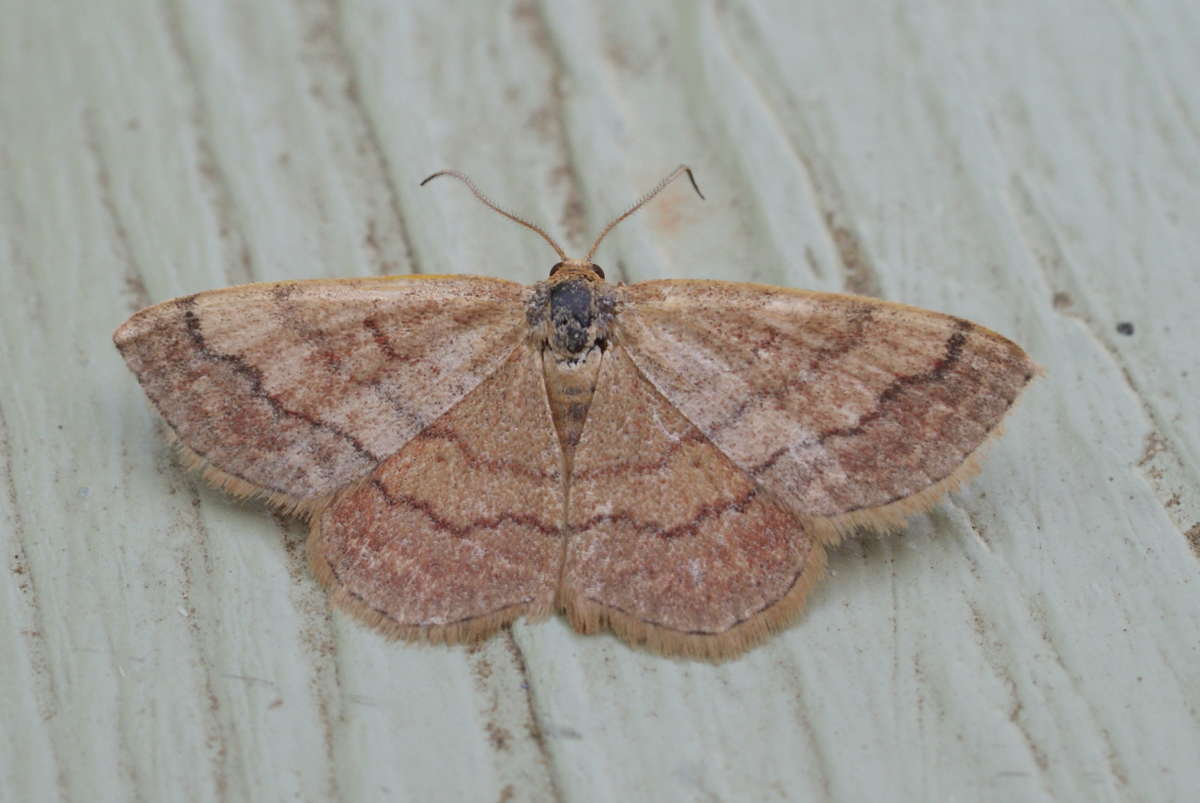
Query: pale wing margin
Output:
(292,390)
(851,410)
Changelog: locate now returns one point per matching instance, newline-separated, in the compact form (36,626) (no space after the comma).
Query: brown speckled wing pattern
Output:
(460,532)
(672,545)
(293,390)
(851,411)
(735,432)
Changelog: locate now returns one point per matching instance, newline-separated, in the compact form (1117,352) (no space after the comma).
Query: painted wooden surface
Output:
(1032,166)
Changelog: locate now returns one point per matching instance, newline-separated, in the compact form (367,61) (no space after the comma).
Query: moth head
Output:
(578,268)
(572,310)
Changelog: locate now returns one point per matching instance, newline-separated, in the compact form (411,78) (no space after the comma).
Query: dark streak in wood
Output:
(536,731)
(860,275)
(214,735)
(134,284)
(45,690)
(328,28)
(554,127)
(318,639)
(238,262)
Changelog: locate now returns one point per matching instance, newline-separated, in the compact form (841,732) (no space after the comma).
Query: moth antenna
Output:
(676,173)
(488,203)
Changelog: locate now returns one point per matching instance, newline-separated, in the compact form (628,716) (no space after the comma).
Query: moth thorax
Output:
(573,312)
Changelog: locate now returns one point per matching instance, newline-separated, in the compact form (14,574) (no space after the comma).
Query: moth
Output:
(669,460)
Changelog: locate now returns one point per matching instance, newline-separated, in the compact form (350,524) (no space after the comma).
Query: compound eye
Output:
(599,270)
(554,270)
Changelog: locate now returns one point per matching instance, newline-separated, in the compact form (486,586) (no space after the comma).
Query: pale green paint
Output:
(1035,637)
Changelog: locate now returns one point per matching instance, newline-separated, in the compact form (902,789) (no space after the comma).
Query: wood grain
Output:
(1029,166)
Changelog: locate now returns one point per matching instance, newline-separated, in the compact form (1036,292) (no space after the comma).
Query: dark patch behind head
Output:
(571,313)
